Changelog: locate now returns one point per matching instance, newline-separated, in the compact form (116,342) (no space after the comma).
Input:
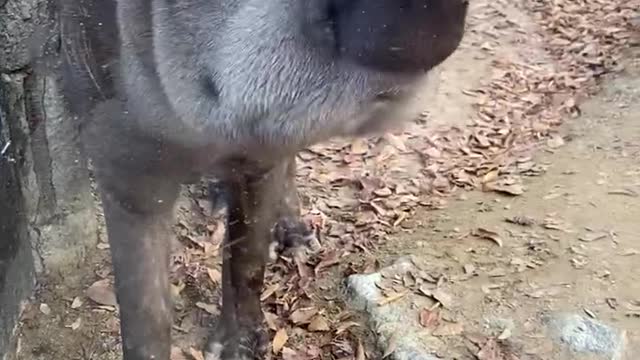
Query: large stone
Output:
(395,324)
(584,336)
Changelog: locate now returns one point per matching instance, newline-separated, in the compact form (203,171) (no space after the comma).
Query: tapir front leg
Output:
(252,205)
(137,213)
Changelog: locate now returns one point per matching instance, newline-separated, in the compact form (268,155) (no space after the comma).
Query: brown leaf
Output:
(359,147)
(177,354)
(521,220)
(279,340)
(391,347)
(75,325)
(626,192)
(303,315)
(196,354)
(342,327)
(487,234)
(589,237)
(330,259)
(429,318)
(509,189)
(45,309)
(210,308)
(392,298)
(318,324)
(269,291)
(448,329)
(101,292)
(214,275)
(555,142)
(76,303)
(360,353)
(443,298)
(270,319)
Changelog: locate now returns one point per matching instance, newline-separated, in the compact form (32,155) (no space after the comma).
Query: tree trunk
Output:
(47,212)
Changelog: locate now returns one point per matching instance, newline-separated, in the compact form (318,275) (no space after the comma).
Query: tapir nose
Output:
(398,35)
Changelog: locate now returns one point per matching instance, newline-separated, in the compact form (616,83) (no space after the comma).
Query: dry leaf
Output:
(210,308)
(214,275)
(443,298)
(360,353)
(279,340)
(177,354)
(626,192)
(76,303)
(487,234)
(392,298)
(359,147)
(589,237)
(101,292)
(303,316)
(429,318)
(74,325)
(271,319)
(318,324)
(555,142)
(196,354)
(45,309)
(342,327)
(330,259)
(391,347)
(448,329)
(269,291)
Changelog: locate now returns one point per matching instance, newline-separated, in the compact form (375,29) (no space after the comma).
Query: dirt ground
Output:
(556,227)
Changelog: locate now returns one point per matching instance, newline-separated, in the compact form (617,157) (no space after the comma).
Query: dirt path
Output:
(575,245)
(404,194)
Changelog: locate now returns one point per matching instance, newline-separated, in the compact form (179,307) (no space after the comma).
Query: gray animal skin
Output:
(169,91)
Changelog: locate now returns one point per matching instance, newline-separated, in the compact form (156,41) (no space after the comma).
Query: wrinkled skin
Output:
(168,91)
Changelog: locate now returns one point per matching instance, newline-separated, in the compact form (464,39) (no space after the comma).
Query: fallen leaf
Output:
(626,192)
(177,354)
(487,234)
(392,345)
(270,319)
(214,275)
(101,292)
(521,220)
(429,318)
(329,260)
(490,351)
(555,142)
(448,329)
(342,327)
(209,308)
(269,291)
(76,303)
(443,298)
(630,252)
(360,353)
(279,340)
(359,147)
(589,237)
(303,315)
(74,325)
(196,354)
(392,298)
(45,309)
(318,324)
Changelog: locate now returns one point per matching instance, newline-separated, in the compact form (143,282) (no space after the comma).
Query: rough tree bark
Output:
(47,213)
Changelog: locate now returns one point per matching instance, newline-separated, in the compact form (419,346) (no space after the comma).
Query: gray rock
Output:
(584,335)
(396,324)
